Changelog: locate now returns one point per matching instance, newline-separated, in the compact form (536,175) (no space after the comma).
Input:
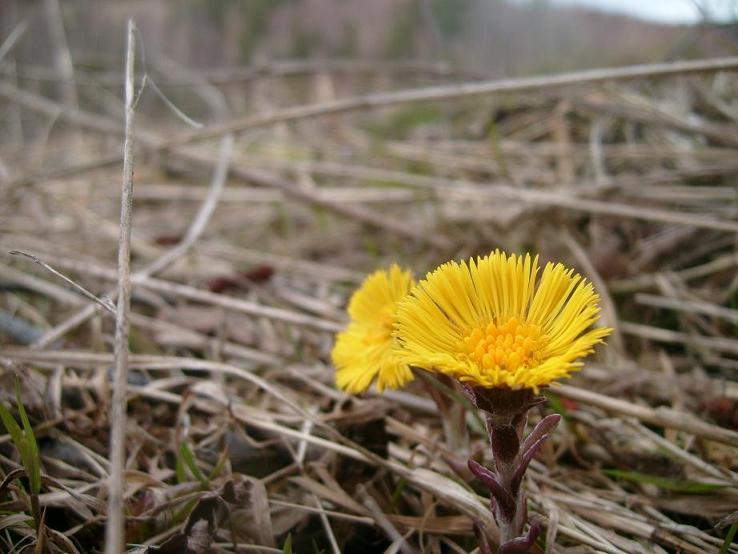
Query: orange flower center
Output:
(509,346)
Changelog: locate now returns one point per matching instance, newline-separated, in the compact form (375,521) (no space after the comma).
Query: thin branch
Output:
(664,417)
(27,281)
(720,344)
(115,525)
(231,303)
(689,306)
(104,302)
(385,524)
(463,90)
(203,216)
(12,39)
(225,75)
(60,47)
(174,109)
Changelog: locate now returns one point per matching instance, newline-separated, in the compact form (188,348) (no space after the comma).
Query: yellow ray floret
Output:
(487,322)
(366,350)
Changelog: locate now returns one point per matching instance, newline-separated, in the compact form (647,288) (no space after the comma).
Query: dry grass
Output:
(236,437)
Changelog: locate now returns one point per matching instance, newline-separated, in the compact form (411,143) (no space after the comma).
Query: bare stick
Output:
(203,216)
(62,57)
(104,302)
(385,524)
(682,454)
(225,75)
(13,37)
(664,417)
(40,286)
(115,525)
(462,90)
(542,197)
(720,344)
(689,306)
(141,279)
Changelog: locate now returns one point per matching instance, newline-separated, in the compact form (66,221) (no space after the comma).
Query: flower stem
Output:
(505,439)
(512,455)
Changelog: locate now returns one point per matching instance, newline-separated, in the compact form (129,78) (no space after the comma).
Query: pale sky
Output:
(665,11)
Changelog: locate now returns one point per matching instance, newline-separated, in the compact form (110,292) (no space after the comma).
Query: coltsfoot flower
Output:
(366,349)
(491,323)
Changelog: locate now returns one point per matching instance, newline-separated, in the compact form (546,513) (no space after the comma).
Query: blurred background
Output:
(497,37)
(476,37)
(280,155)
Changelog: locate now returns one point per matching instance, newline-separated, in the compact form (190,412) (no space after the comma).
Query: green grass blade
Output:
(179,471)
(220,464)
(30,454)
(287,548)
(14,430)
(397,493)
(189,459)
(556,405)
(729,538)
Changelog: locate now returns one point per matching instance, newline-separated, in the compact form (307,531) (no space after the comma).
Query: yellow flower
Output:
(366,349)
(488,324)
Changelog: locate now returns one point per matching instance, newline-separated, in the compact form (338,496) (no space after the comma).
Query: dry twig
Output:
(115,525)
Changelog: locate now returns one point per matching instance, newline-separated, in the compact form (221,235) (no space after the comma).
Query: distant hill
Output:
(489,34)
(494,36)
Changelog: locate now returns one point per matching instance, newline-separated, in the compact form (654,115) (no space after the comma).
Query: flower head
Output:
(366,349)
(489,324)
